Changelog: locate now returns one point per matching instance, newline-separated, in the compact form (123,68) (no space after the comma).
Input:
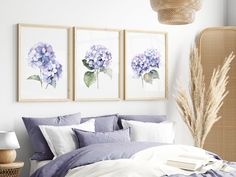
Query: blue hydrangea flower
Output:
(41,56)
(153,56)
(98,57)
(97,60)
(52,72)
(145,62)
(140,64)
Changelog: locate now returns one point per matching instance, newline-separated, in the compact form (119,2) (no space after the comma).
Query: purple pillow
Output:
(142,118)
(87,138)
(40,146)
(105,123)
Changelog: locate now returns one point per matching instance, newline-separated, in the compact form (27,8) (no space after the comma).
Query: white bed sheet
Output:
(34,165)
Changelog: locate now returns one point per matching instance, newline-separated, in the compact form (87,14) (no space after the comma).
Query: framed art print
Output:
(44,63)
(145,65)
(97,64)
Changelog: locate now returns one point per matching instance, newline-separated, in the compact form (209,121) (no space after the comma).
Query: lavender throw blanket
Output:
(107,151)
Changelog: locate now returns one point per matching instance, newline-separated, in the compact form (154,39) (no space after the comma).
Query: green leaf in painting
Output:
(108,71)
(89,78)
(36,78)
(154,74)
(86,64)
(53,83)
(147,78)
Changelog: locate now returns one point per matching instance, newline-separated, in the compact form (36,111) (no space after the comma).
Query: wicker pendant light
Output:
(176,12)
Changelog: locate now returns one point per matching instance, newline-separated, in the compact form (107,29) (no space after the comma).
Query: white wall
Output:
(231,13)
(129,14)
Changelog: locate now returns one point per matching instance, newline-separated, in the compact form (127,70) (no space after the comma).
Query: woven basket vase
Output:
(176,12)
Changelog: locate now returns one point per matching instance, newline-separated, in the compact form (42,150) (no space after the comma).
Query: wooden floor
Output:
(215,44)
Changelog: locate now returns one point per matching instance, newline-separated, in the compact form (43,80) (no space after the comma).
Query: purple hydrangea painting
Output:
(145,65)
(42,57)
(97,60)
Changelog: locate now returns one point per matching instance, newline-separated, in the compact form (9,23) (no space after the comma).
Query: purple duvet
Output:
(106,151)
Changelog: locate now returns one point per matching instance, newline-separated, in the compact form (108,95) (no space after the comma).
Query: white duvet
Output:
(150,163)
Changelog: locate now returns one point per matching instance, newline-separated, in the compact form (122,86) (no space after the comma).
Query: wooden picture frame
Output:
(44,63)
(146,64)
(93,81)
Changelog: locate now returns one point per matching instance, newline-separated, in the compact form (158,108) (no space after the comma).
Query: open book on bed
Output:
(188,162)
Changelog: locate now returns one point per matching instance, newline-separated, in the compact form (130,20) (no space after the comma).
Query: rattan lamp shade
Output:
(176,12)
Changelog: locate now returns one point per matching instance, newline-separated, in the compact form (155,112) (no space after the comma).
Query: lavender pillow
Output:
(105,123)
(141,118)
(40,146)
(87,138)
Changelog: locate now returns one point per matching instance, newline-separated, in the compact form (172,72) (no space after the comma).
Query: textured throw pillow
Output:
(154,132)
(62,139)
(105,123)
(87,138)
(142,118)
(40,146)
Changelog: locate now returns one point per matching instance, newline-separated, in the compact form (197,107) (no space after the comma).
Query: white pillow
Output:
(62,139)
(153,132)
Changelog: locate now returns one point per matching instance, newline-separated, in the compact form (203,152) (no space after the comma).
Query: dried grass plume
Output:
(199,106)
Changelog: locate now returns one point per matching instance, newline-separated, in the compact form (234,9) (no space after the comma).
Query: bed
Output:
(112,146)
(35,165)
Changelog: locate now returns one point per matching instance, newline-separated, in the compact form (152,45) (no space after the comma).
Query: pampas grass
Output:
(199,106)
